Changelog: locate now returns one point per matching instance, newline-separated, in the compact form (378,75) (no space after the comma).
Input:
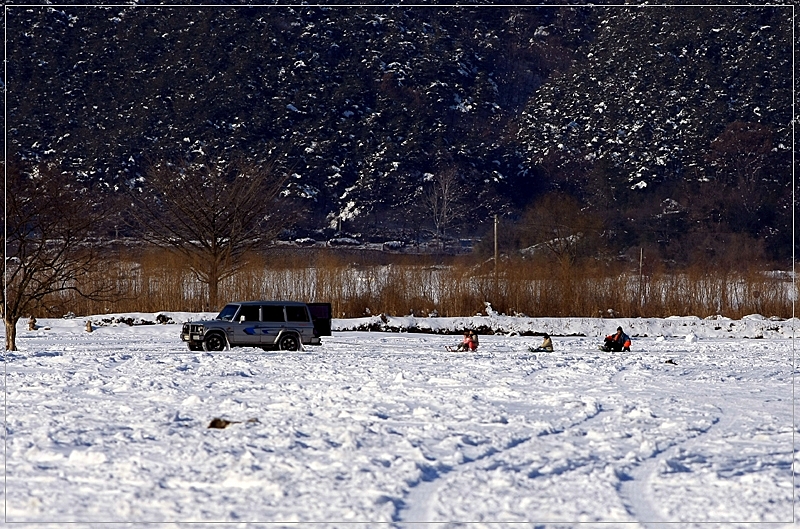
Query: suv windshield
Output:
(228,312)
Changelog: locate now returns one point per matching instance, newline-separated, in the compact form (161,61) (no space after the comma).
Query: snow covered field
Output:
(389,427)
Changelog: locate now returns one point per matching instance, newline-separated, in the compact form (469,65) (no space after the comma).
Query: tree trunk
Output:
(213,292)
(213,287)
(11,334)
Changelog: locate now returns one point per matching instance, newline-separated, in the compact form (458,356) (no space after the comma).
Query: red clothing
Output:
(469,343)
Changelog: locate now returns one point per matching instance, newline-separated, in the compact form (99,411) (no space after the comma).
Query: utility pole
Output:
(641,280)
(495,242)
(496,255)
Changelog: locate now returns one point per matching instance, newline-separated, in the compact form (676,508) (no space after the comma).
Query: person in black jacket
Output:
(617,342)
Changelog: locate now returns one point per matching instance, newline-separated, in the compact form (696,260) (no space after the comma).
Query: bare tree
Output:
(46,249)
(211,213)
(558,223)
(442,200)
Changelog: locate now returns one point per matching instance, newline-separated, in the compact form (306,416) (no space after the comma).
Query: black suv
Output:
(284,325)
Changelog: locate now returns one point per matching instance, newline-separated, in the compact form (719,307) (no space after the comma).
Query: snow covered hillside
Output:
(673,120)
(694,425)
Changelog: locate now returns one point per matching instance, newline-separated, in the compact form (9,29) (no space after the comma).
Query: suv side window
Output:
(249,312)
(272,313)
(296,313)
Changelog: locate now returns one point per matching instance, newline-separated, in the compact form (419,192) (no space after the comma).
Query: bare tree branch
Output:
(45,242)
(213,213)
(442,200)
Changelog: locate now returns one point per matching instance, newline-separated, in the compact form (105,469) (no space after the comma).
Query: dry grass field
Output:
(360,283)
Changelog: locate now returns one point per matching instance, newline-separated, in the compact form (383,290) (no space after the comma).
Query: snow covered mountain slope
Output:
(624,108)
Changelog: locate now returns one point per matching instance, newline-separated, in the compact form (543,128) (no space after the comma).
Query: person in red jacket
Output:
(617,342)
(469,343)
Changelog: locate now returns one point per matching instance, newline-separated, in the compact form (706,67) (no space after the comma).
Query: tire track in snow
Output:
(418,507)
(635,486)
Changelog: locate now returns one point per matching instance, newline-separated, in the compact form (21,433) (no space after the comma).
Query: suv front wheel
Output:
(289,342)
(214,342)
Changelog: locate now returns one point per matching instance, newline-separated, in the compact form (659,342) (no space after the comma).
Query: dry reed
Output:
(151,280)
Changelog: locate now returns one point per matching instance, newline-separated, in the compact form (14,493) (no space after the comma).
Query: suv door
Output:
(247,327)
(321,316)
(272,322)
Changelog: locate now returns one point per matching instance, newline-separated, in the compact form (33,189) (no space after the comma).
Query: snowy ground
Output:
(387,427)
